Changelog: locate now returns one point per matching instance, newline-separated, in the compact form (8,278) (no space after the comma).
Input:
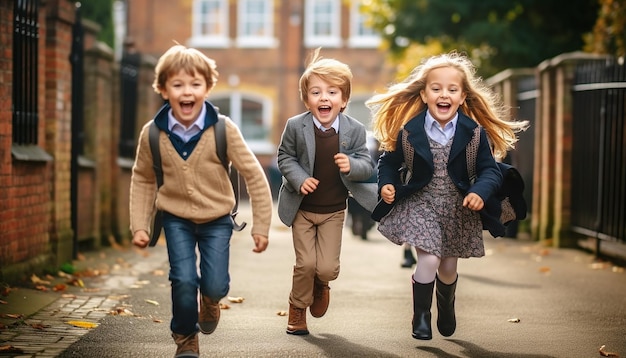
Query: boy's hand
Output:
(260,243)
(388,193)
(141,238)
(343,162)
(473,202)
(309,185)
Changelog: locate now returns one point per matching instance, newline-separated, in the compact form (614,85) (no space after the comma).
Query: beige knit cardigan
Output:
(198,189)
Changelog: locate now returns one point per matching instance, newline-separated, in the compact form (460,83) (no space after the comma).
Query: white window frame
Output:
(266,39)
(209,40)
(361,35)
(312,39)
(235,99)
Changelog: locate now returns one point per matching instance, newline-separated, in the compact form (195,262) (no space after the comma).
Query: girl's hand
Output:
(388,193)
(260,243)
(343,162)
(473,202)
(309,185)
(141,239)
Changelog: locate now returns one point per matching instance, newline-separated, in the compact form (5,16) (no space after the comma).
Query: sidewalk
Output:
(34,319)
(519,301)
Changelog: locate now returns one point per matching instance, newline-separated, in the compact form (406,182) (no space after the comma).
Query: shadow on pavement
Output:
(337,346)
(499,283)
(471,350)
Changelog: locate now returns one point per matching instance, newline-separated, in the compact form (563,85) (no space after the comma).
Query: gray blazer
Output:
(296,159)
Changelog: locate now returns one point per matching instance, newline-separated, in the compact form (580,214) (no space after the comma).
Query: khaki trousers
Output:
(317,245)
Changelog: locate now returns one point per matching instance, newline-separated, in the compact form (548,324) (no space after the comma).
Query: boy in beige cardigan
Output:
(196,196)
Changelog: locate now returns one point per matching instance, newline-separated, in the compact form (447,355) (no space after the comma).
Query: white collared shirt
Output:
(438,134)
(324,129)
(181,131)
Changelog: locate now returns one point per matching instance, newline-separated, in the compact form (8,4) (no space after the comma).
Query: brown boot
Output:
(209,315)
(297,321)
(321,298)
(187,345)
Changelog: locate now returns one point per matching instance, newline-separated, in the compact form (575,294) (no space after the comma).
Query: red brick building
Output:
(261,47)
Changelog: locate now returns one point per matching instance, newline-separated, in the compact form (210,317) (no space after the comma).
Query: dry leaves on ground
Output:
(235,299)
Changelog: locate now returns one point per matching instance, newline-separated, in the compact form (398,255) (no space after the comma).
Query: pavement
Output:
(520,300)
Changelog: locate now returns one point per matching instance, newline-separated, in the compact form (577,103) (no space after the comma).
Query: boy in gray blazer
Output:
(323,158)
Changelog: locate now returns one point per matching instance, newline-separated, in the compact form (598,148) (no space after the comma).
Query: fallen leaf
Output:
(59,287)
(224,306)
(544,269)
(281,313)
(68,295)
(5,291)
(607,354)
(42,288)
(10,349)
(158,273)
(152,302)
(235,299)
(598,266)
(617,269)
(37,281)
(83,324)
(156,320)
(3,302)
(76,282)
(39,326)
(514,320)
(121,311)
(12,315)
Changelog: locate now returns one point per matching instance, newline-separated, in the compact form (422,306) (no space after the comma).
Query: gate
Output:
(599,150)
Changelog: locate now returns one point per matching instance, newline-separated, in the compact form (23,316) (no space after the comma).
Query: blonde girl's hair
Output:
(332,71)
(402,101)
(190,60)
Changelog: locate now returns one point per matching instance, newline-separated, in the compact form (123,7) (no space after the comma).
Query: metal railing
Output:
(25,65)
(599,150)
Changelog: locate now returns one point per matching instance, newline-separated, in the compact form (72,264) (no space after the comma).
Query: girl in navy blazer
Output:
(424,124)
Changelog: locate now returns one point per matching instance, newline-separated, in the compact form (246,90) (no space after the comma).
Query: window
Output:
(252,114)
(209,23)
(322,23)
(255,24)
(361,34)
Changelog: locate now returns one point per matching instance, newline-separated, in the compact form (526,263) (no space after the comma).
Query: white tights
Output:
(429,265)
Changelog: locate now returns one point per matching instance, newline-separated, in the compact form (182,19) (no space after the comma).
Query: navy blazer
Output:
(488,180)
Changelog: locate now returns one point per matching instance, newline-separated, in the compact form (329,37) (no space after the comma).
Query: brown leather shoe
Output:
(187,346)
(297,321)
(321,299)
(209,315)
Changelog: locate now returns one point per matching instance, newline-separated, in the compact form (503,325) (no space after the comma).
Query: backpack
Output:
(220,143)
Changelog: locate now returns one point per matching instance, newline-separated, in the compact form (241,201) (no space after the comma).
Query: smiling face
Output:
(443,93)
(324,100)
(186,94)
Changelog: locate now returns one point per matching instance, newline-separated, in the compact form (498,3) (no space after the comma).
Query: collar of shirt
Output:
(324,129)
(438,134)
(186,133)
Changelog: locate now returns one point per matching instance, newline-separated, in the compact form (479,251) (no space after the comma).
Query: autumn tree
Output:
(609,32)
(499,34)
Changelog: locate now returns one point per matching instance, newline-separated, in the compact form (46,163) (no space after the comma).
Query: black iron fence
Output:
(25,59)
(599,150)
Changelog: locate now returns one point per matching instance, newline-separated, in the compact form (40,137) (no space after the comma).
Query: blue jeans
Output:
(213,242)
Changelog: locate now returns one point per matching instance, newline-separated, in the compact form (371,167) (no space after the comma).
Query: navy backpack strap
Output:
(220,143)
(153,137)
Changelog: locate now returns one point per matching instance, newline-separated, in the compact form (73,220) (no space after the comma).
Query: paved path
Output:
(568,306)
